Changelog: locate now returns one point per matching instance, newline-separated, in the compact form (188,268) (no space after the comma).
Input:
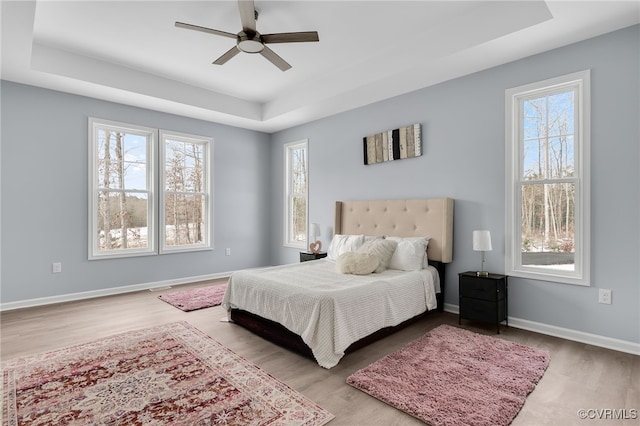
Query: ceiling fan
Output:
(249,40)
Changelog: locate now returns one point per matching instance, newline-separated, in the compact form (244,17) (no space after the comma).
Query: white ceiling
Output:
(131,52)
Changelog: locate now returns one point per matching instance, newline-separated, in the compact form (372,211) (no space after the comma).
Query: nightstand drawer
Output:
(480,288)
(481,310)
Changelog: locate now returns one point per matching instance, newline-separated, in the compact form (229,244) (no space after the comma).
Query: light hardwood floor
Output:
(579,376)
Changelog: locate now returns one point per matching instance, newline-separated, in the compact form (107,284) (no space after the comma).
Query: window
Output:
(296,199)
(185,197)
(547,194)
(126,215)
(121,184)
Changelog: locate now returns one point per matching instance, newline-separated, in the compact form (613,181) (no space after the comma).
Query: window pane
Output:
(548,224)
(122,220)
(548,137)
(122,160)
(184,166)
(184,219)
(299,170)
(299,219)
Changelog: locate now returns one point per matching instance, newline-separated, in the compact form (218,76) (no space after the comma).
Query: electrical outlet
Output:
(56,267)
(604,296)
(227,251)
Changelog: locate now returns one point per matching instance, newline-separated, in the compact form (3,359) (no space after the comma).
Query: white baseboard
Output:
(41,301)
(566,333)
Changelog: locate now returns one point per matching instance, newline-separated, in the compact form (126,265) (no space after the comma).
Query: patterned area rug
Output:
(195,298)
(452,376)
(167,375)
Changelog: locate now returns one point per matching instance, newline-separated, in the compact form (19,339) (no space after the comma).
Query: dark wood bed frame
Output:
(404,218)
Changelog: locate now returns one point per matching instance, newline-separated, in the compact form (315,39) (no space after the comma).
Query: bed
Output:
(312,309)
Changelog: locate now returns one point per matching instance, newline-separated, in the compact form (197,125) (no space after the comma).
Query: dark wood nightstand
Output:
(305,255)
(484,298)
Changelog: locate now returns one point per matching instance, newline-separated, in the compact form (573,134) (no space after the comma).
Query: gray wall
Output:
(463,130)
(44,197)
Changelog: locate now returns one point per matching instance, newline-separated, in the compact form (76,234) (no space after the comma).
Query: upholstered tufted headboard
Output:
(429,217)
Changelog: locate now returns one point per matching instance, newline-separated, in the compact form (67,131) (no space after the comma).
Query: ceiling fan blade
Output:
(205,30)
(247,15)
(275,59)
(298,37)
(227,55)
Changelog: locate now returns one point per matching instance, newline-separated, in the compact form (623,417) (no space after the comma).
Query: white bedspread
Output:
(329,310)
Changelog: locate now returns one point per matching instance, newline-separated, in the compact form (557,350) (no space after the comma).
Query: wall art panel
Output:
(396,144)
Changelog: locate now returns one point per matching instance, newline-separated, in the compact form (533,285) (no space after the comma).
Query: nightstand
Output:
(483,298)
(305,255)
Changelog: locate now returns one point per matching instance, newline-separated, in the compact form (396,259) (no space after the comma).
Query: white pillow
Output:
(368,238)
(344,243)
(383,249)
(410,255)
(357,263)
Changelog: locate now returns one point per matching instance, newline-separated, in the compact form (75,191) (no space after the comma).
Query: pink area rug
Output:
(452,376)
(171,374)
(195,298)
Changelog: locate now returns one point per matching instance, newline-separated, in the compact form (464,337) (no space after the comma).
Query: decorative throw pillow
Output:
(344,243)
(383,249)
(410,255)
(356,263)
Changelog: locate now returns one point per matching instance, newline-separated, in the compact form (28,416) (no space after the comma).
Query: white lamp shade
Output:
(315,230)
(481,240)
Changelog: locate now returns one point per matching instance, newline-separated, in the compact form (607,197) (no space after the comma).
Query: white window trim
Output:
(513,266)
(94,125)
(207,244)
(288,147)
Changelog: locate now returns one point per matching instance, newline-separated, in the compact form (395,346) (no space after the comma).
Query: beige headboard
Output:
(429,217)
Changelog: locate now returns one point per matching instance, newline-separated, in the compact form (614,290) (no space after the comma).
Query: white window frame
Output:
(155,174)
(95,125)
(514,97)
(288,195)
(207,143)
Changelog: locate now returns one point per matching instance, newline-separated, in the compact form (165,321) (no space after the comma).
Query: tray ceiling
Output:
(131,52)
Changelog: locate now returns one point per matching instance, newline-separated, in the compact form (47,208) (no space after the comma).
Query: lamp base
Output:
(482,274)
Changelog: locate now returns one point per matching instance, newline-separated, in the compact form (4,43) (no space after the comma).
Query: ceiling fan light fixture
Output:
(250,44)
(249,40)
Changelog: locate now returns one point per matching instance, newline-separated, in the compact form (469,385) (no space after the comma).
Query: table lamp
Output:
(482,243)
